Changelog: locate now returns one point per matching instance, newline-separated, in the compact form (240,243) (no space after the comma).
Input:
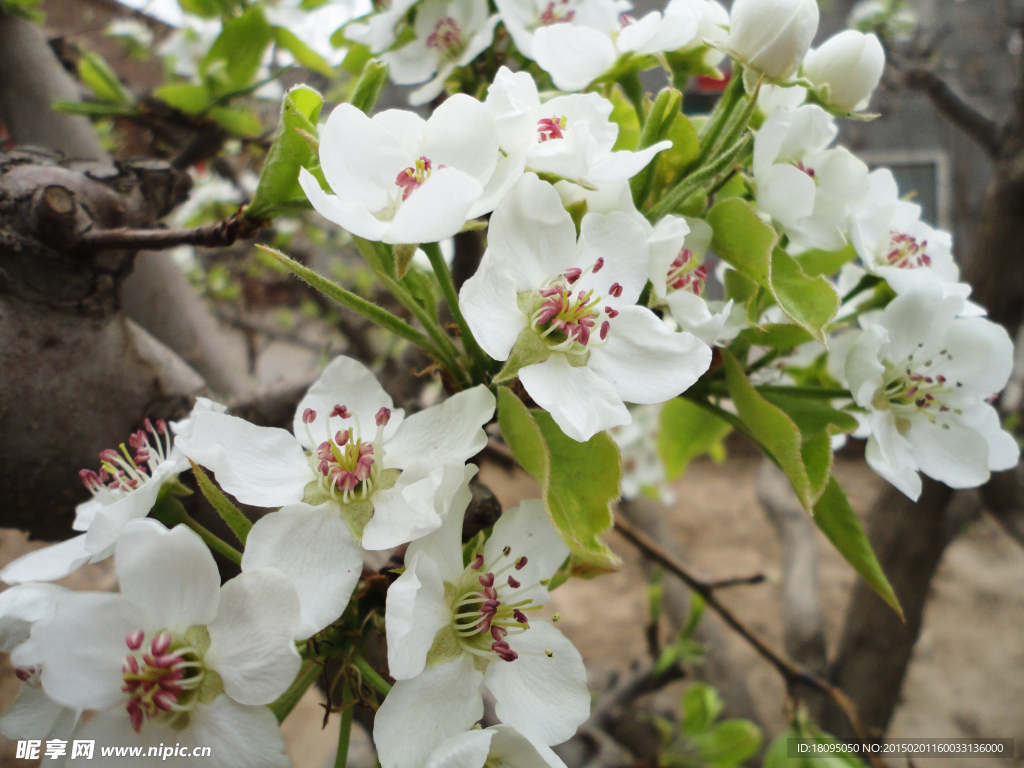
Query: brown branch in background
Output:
(219,235)
(794,675)
(984,130)
(737,581)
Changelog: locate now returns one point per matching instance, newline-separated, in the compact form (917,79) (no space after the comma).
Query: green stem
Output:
(169,511)
(346,725)
(370,675)
(286,702)
(720,115)
(739,122)
(634,90)
(349,300)
(731,418)
(678,194)
(481,362)
(825,393)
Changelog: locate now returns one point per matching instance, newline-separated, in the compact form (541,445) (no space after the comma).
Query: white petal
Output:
(578,399)
(917,323)
(85,513)
(786,194)
(527,531)
(49,563)
(444,546)
(412,63)
(360,158)
(111,520)
(436,210)
(864,371)
(349,383)
(419,714)
(463,750)
(264,466)
(624,165)
(404,126)
(509,100)
(622,243)
(415,506)
(170,575)
(693,316)
(81,648)
(20,607)
(451,431)
(489,303)
(315,548)
(952,452)
(461,134)
(352,216)
(1003,451)
(113,729)
(646,361)
(519,749)
(982,355)
(664,243)
(33,715)
(531,235)
(542,695)
(416,612)
(573,56)
(890,455)
(507,172)
(239,736)
(251,640)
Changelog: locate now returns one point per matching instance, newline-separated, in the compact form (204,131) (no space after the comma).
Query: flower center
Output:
(485,610)
(161,683)
(410,179)
(809,171)
(556,12)
(550,128)
(29,675)
(446,38)
(120,473)
(687,273)
(906,252)
(346,467)
(565,321)
(907,391)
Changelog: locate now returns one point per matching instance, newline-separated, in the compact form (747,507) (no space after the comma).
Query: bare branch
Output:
(984,130)
(219,235)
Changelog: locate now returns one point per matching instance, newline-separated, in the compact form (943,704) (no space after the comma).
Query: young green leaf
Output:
(815,262)
(235,56)
(101,79)
(811,302)
(303,54)
(238,122)
(190,99)
(777,335)
(370,85)
(837,520)
(742,239)
(624,115)
(579,481)
(687,431)
(236,520)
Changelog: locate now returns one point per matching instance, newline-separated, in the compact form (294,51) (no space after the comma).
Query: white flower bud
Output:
(772,36)
(850,64)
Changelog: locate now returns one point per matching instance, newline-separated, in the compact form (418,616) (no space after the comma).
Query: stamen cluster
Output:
(157,680)
(121,473)
(906,252)
(551,128)
(907,392)
(572,316)
(410,179)
(344,462)
(487,613)
(556,12)
(687,273)
(446,38)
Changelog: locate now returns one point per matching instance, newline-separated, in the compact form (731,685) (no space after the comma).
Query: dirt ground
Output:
(966,677)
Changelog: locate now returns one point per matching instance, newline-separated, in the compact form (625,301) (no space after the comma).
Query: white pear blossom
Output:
(568,136)
(772,36)
(498,745)
(355,470)
(452,628)
(125,488)
(771,97)
(924,375)
(522,18)
(575,56)
(896,245)
(804,186)
(713,27)
(565,311)
(847,68)
(642,469)
(449,34)
(379,31)
(175,657)
(32,714)
(400,179)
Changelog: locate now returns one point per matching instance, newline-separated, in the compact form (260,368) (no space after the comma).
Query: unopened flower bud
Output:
(850,64)
(772,36)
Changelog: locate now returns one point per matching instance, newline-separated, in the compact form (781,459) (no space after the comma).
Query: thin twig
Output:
(219,235)
(738,581)
(792,673)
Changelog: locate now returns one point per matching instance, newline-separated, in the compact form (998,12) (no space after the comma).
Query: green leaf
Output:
(95,109)
(826,263)
(529,349)
(190,99)
(669,165)
(239,122)
(206,9)
(730,742)
(775,432)
(701,707)
(742,239)
(235,56)
(579,481)
(810,301)
(777,335)
(239,524)
(290,151)
(624,116)
(370,86)
(687,431)
(101,79)
(356,57)
(303,54)
(837,520)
